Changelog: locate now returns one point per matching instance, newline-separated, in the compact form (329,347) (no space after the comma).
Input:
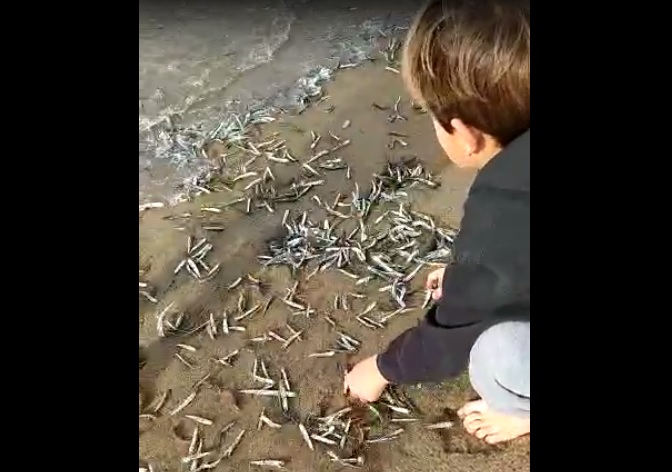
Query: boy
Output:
(468,63)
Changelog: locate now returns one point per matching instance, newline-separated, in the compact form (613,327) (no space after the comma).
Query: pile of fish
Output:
(194,261)
(403,243)
(345,433)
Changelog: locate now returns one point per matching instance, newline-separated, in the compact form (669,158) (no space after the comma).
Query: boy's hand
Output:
(435,282)
(365,382)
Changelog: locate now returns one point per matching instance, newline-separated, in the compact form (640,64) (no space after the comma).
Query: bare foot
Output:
(491,426)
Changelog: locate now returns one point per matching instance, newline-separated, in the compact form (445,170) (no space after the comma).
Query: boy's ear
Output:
(469,139)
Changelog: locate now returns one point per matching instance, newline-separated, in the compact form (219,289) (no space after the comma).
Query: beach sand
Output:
(318,381)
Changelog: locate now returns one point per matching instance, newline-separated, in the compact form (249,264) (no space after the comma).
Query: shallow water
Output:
(200,60)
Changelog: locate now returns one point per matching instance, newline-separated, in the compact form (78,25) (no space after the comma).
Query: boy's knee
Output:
(503,351)
(507,337)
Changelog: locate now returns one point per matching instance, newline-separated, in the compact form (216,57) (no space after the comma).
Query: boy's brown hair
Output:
(470,59)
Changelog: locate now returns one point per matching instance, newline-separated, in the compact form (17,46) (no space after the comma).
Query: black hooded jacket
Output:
(488,281)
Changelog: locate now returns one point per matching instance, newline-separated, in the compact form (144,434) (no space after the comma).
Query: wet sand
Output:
(318,381)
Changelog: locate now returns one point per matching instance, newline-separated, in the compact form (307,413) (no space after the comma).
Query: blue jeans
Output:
(499,367)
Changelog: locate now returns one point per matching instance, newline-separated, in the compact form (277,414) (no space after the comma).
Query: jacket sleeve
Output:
(488,279)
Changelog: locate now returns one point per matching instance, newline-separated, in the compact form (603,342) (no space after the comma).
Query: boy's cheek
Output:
(446,141)
(465,162)
(457,158)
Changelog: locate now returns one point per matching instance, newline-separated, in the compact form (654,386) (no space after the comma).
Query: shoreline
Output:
(306,91)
